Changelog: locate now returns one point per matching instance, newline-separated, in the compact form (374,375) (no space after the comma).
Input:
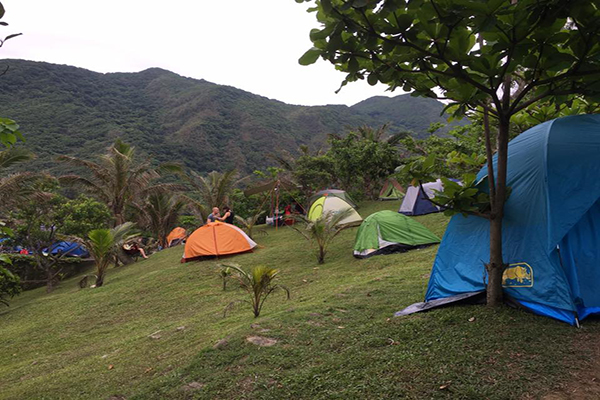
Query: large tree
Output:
(494,57)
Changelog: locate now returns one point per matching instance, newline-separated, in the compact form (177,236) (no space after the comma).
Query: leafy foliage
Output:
(9,284)
(81,215)
(258,283)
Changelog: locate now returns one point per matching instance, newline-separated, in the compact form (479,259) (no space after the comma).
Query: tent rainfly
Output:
(551,227)
(387,232)
(216,239)
(333,193)
(176,236)
(333,204)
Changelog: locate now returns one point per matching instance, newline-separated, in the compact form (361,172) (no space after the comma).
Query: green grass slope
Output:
(150,332)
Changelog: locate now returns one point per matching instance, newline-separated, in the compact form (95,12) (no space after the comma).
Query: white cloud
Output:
(252,45)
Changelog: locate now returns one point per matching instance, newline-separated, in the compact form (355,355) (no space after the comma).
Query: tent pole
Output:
(277,203)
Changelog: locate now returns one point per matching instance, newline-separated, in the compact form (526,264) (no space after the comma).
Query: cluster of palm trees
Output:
(134,193)
(137,193)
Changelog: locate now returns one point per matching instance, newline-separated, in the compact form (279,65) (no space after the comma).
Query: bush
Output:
(9,285)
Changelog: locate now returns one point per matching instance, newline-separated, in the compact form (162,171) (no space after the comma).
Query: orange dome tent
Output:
(176,236)
(216,239)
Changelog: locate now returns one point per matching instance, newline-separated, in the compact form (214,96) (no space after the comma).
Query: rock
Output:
(261,341)
(255,326)
(221,344)
(193,386)
(180,328)
(155,335)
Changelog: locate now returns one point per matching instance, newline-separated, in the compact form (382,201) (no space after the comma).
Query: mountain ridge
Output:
(70,110)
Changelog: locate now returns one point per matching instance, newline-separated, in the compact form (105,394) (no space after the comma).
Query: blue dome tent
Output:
(73,249)
(551,227)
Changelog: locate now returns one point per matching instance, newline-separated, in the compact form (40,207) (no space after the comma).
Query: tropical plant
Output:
(212,190)
(225,274)
(258,283)
(321,232)
(118,179)
(103,245)
(159,213)
(494,58)
(248,223)
(16,187)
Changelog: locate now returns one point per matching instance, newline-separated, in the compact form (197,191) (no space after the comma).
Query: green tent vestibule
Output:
(387,232)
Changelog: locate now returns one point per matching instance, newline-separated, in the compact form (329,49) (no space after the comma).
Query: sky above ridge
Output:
(251,45)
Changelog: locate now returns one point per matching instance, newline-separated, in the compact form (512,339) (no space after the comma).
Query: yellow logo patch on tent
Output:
(518,275)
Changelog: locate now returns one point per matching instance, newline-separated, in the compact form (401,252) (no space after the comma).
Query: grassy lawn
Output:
(150,331)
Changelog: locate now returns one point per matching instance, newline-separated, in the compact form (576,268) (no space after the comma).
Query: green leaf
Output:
(310,57)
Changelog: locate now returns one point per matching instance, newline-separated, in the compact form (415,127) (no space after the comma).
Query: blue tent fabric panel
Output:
(423,205)
(74,249)
(551,223)
(580,254)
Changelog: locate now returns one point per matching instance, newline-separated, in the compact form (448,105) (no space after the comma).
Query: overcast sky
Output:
(251,45)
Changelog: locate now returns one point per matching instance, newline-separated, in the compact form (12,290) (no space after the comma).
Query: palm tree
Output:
(321,232)
(259,285)
(213,190)
(160,213)
(15,187)
(248,223)
(118,178)
(103,245)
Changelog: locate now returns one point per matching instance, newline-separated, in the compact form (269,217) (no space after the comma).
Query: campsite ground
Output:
(150,333)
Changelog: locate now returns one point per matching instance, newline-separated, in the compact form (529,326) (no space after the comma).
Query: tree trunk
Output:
(100,279)
(321,256)
(496,266)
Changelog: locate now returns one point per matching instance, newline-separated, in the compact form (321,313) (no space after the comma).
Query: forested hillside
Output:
(69,110)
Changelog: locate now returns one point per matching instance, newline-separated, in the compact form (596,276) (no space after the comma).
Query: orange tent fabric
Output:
(177,233)
(215,239)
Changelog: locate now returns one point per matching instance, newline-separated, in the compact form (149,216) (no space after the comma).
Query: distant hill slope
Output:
(69,110)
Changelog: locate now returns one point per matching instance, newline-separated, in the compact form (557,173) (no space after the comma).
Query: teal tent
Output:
(551,227)
(386,232)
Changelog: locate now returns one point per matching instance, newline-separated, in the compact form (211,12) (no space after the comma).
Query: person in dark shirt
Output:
(228,215)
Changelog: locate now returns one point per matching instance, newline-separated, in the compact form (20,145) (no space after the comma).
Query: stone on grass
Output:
(221,344)
(193,386)
(262,341)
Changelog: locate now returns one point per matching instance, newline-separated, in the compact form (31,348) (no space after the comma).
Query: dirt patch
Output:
(262,341)
(584,379)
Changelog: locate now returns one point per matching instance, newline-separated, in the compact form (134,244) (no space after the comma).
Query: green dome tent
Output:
(334,193)
(331,203)
(387,232)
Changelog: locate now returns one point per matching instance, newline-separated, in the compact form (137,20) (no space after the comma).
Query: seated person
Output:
(228,216)
(133,249)
(214,216)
